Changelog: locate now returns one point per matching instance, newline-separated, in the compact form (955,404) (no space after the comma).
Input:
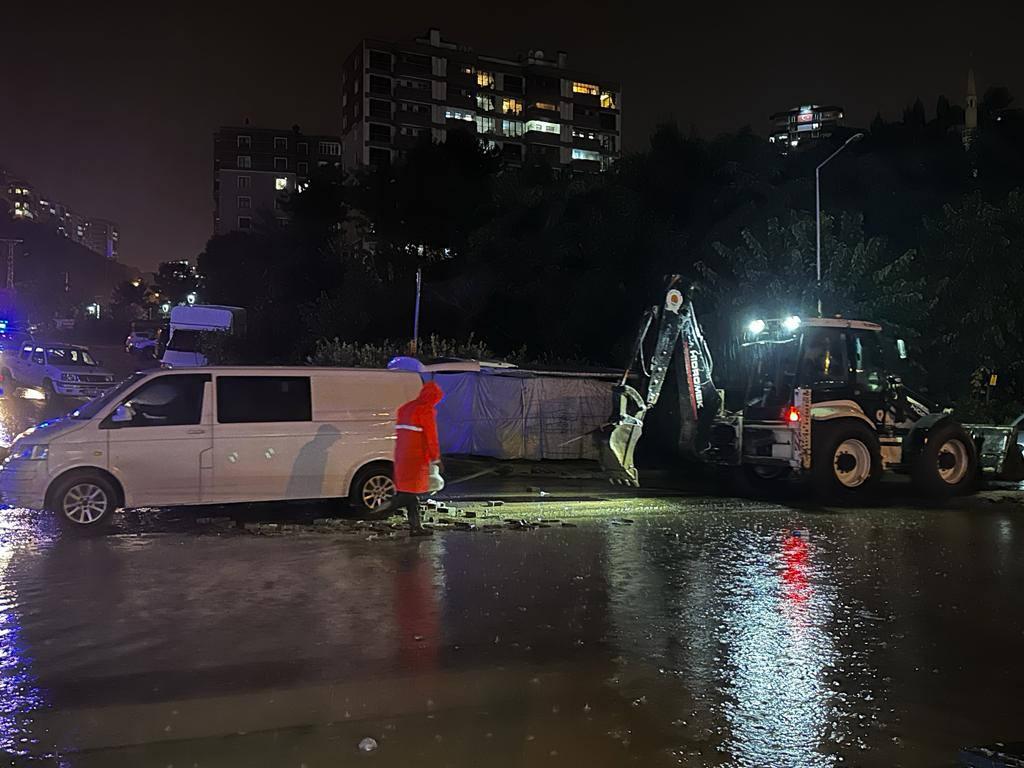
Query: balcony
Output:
(405,93)
(421,118)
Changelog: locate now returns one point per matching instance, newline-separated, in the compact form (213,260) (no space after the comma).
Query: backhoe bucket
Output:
(617,441)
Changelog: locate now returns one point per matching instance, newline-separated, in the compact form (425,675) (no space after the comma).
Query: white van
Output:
(188,322)
(214,436)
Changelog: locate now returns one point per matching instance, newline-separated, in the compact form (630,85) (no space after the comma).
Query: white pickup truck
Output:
(56,368)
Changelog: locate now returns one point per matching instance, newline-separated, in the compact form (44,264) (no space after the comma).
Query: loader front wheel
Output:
(947,464)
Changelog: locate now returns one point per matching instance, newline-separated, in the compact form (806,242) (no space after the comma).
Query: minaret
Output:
(970,110)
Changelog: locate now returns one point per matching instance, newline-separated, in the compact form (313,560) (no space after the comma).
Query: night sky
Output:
(112,111)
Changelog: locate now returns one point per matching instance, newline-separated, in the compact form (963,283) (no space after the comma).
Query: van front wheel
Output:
(371,488)
(84,501)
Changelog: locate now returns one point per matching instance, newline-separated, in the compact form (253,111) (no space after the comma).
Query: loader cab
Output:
(837,359)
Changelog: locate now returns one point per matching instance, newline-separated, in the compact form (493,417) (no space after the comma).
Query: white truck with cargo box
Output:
(188,323)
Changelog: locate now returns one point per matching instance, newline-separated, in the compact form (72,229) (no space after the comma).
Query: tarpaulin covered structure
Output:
(510,413)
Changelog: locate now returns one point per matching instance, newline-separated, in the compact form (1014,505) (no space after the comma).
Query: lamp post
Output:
(817,203)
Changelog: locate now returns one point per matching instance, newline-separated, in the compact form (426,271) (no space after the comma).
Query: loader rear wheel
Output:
(947,464)
(846,460)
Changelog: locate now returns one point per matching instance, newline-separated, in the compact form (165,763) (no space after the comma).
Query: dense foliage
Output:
(918,233)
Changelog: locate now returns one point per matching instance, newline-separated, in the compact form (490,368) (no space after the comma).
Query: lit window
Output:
(607,99)
(244,182)
(458,114)
(511,106)
(485,79)
(794,142)
(546,105)
(244,142)
(512,127)
(543,126)
(586,154)
(485,124)
(280,163)
(587,88)
(244,161)
(280,183)
(280,142)
(485,102)
(244,201)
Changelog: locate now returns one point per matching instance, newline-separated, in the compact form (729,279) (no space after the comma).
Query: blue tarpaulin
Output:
(514,414)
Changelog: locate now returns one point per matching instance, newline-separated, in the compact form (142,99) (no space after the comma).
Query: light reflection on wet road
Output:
(707,632)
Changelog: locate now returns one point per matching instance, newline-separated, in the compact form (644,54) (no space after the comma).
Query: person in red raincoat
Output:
(415,448)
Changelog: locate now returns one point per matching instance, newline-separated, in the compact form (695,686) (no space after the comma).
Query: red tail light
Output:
(792,414)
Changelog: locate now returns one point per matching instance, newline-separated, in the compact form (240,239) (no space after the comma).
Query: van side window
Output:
(168,401)
(38,357)
(26,353)
(254,399)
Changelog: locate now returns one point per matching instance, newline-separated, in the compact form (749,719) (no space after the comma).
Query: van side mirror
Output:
(123,414)
(901,349)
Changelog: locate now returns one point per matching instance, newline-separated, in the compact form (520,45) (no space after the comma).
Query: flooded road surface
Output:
(695,632)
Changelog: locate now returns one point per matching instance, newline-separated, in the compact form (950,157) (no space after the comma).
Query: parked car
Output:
(56,369)
(142,343)
(214,436)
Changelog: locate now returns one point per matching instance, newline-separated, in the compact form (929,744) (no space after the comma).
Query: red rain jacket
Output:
(416,445)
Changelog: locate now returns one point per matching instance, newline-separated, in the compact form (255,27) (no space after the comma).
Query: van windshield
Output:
(93,407)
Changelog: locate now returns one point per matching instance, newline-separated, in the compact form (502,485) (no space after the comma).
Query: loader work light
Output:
(756,327)
(791,323)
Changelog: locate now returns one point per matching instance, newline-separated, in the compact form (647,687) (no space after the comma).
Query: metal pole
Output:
(416,316)
(817,219)
(817,204)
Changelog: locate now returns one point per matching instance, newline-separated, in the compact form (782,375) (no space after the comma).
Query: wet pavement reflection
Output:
(695,632)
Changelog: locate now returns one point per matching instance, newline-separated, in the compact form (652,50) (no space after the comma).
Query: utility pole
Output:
(10,242)
(817,205)
(416,314)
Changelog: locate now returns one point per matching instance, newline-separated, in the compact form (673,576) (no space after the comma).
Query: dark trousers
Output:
(410,502)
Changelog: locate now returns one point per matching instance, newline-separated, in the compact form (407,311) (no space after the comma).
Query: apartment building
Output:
(254,170)
(397,93)
(803,125)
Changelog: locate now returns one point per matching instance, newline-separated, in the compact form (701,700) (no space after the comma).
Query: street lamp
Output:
(190,299)
(817,203)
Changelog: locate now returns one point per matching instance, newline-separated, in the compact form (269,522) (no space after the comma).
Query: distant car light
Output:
(756,327)
(791,323)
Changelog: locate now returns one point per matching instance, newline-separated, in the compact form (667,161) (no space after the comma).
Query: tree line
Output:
(919,234)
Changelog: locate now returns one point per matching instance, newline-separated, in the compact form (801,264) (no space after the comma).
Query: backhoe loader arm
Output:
(679,342)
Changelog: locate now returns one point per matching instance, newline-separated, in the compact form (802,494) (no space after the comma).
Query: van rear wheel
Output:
(84,501)
(371,488)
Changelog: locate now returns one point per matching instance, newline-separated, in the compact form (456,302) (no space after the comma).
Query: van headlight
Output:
(69,377)
(32,452)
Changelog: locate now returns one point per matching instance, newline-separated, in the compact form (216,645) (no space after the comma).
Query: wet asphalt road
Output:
(704,632)
(693,631)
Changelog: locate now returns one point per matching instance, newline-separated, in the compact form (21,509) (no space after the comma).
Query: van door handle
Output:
(196,432)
